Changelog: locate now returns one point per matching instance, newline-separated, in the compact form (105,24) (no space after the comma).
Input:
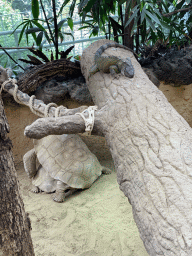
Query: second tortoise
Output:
(62,163)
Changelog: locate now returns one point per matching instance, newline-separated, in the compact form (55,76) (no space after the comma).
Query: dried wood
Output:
(37,75)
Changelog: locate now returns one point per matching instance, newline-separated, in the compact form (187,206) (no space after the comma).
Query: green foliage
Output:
(36,27)
(148,20)
(5,7)
(156,21)
(100,12)
(35,8)
(6,21)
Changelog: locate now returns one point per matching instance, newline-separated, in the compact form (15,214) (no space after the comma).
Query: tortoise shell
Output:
(67,158)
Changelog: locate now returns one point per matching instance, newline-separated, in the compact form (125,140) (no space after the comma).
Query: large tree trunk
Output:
(151,145)
(15,225)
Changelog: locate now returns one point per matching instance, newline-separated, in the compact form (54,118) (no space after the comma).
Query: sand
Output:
(96,221)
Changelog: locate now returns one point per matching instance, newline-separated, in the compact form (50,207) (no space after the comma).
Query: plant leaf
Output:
(39,38)
(165,25)
(21,34)
(19,26)
(69,34)
(60,24)
(35,8)
(63,5)
(33,33)
(152,26)
(132,17)
(82,5)
(47,37)
(143,13)
(70,23)
(38,24)
(180,4)
(39,54)
(35,60)
(153,17)
(95,31)
(65,53)
(41,45)
(26,61)
(116,24)
(32,30)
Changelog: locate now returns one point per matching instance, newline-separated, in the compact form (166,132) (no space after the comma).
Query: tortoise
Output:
(61,163)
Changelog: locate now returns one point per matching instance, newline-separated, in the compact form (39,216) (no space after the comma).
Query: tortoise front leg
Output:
(62,190)
(59,195)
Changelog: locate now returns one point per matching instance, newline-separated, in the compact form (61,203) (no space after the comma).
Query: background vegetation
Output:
(137,24)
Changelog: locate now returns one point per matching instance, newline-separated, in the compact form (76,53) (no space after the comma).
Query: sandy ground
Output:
(96,221)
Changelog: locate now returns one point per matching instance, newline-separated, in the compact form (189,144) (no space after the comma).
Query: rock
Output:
(54,90)
(174,66)
(149,72)
(51,91)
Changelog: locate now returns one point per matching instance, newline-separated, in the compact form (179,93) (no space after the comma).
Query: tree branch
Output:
(176,11)
(11,57)
(62,125)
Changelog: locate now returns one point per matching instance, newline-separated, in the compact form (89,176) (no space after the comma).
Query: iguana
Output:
(112,64)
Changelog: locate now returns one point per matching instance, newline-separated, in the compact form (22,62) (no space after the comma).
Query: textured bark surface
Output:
(151,145)
(36,76)
(15,224)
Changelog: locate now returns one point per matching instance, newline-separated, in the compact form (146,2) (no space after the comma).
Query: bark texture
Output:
(36,76)
(151,145)
(15,224)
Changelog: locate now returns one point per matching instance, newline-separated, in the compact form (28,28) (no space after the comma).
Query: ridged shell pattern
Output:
(67,158)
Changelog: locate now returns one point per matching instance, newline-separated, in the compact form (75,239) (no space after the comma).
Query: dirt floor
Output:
(96,221)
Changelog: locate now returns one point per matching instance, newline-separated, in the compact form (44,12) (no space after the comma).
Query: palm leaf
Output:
(65,53)
(52,57)
(35,60)
(27,61)
(39,54)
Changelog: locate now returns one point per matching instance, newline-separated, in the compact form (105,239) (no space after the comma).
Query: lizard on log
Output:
(112,64)
(151,145)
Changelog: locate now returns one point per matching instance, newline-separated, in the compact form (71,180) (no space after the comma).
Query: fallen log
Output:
(151,145)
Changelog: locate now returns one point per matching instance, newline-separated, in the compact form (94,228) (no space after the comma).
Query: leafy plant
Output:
(47,29)
(36,61)
(143,22)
